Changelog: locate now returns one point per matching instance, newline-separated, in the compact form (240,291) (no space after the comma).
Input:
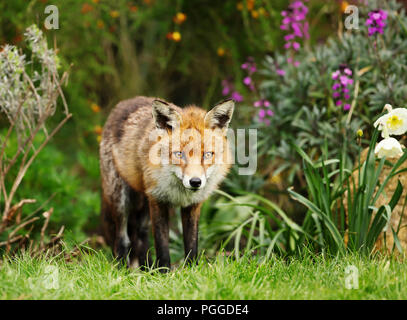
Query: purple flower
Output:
(347,71)
(237,96)
(280,72)
(258,103)
(251,68)
(229,90)
(247,81)
(342,81)
(294,21)
(227,86)
(249,65)
(376,22)
(265,113)
(335,75)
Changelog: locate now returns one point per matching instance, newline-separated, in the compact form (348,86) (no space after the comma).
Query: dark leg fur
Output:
(138,229)
(190,218)
(159,214)
(108,225)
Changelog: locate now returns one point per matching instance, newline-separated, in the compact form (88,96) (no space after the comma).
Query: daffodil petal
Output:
(388,147)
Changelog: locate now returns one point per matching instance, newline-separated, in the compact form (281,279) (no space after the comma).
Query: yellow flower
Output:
(114,13)
(276,179)
(95,108)
(392,123)
(359,133)
(344,5)
(262,11)
(133,8)
(99,138)
(239,6)
(221,52)
(95,1)
(255,14)
(176,36)
(86,8)
(180,18)
(97,130)
(100,24)
(250,5)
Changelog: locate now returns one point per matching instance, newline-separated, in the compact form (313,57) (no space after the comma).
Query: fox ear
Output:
(220,115)
(165,116)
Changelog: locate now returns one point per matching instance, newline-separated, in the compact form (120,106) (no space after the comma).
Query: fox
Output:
(154,157)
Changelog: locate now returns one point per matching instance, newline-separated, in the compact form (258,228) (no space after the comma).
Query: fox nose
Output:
(195,182)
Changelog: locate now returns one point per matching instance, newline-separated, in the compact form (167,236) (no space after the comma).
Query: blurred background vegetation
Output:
(188,52)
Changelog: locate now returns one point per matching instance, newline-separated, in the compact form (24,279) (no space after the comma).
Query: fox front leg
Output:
(159,213)
(190,218)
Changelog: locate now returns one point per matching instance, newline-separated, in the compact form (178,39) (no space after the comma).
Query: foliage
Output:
(357,226)
(29,96)
(303,98)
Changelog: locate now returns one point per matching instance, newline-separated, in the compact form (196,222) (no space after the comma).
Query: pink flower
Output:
(258,103)
(376,22)
(296,46)
(335,75)
(294,21)
(237,96)
(247,81)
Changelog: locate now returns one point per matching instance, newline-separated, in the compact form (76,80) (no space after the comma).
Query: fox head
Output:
(194,149)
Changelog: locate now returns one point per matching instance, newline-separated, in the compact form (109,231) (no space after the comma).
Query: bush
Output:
(302,98)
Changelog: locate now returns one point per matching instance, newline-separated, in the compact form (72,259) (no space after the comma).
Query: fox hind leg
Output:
(121,210)
(138,229)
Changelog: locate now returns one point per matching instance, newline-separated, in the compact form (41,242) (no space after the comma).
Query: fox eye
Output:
(179,154)
(208,155)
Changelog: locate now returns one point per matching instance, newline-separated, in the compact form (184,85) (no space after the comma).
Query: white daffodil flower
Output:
(394,122)
(388,147)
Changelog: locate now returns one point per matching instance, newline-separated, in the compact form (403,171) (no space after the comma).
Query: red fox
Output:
(136,188)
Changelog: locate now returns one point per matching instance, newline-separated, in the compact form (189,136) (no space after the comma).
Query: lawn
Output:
(96,277)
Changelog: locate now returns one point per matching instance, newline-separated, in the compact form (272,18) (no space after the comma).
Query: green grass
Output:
(96,277)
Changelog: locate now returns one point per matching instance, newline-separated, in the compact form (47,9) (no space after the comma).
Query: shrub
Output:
(304,99)
(29,91)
